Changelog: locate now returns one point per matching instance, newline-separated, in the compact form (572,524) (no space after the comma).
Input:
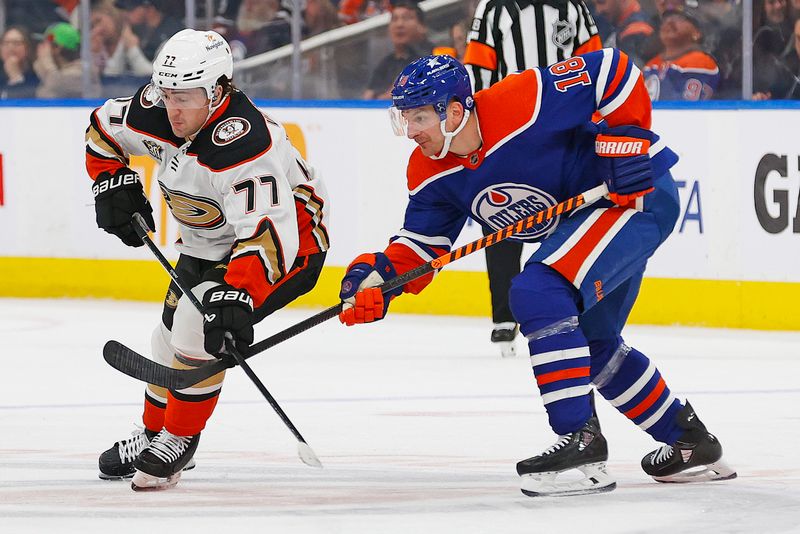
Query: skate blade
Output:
(144,482)
(596,480)
(103,476)
(719,470)
(508,349)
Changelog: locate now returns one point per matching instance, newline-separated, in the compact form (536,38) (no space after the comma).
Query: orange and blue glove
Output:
(363,300)
(625,162)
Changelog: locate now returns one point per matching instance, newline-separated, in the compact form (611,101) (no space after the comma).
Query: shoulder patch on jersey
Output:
(229,130)
(236,137)
(145,118)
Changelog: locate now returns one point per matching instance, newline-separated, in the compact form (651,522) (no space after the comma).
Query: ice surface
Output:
(417,420)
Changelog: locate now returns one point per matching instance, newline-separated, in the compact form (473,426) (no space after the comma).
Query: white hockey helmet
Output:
(191,59)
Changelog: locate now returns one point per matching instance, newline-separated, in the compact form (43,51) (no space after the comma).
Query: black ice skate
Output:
(585,450)
(695,457)
(159,466)
(503,334)
(117,462)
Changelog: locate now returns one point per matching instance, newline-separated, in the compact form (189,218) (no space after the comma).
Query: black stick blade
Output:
(137,366)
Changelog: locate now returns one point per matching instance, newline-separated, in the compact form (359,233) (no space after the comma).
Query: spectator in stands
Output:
(786,84)
(150,26)
(771,40)
(352,11)
(652,45)
(408,34)
(58,64)
(630,27)
(457,46)
(319,16)
(261,25)
(17,79)
(723,37)
(115,48)
(683,71)
(37,15)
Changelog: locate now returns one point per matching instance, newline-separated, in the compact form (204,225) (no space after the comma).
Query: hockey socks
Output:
(632,384)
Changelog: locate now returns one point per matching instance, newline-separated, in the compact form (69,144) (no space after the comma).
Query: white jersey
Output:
(239,188)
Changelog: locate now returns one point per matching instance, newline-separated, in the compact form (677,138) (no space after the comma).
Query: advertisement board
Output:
(738,179)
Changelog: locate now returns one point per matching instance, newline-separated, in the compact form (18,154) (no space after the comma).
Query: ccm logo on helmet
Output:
(167,74)
(620,146)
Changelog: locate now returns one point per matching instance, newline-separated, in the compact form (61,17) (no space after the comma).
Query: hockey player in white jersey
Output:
(252,216)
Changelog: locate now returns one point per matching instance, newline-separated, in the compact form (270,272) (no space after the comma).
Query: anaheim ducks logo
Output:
(502,205)
(192,211)
(148,97)
(230,130)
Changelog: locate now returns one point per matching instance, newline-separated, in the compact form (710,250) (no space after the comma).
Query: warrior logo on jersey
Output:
(148,98)
(563,33)
(230,130)
(502,205)
(155,150)
(192,211)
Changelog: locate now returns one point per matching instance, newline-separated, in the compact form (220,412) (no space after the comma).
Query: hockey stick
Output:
(304,450)
(133,364)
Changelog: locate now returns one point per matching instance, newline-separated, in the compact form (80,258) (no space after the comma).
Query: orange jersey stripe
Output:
(637,109)
(95,165)
(555,376)
(481,55)
(648,401)
(592,45)
(622,66)
(571,263)
(634,28)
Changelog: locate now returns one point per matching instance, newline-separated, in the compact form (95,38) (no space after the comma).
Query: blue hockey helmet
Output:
(433,80)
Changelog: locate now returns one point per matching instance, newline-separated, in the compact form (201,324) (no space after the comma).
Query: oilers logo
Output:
(502,205)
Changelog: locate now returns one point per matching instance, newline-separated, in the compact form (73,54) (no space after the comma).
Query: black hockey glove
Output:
(227,309)
(116,198)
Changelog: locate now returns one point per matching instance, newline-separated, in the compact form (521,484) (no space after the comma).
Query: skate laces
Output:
(560,444)
(662,455)
(130,448)
(169,447)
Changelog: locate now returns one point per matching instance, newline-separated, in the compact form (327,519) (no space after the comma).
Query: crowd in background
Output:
(41,42)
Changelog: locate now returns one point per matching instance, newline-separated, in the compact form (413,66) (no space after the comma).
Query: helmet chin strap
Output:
(211,110)
(448,136)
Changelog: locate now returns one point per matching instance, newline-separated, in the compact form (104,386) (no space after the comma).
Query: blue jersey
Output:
(693,76)
(538,148)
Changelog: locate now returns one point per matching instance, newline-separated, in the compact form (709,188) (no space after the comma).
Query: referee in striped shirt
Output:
(507,36)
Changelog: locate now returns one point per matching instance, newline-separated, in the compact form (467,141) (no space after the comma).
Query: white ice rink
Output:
(418,422)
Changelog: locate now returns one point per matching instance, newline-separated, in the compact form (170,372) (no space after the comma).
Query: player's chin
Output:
(428,149)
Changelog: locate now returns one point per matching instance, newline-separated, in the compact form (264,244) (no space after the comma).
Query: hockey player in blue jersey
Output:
(520,146)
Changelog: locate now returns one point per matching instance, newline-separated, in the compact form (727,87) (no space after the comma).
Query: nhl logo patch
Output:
(230,130)
(563,33)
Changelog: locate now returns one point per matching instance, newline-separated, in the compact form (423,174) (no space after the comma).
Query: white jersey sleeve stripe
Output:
(602,78)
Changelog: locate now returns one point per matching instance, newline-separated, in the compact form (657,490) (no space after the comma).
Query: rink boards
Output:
(732,260)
